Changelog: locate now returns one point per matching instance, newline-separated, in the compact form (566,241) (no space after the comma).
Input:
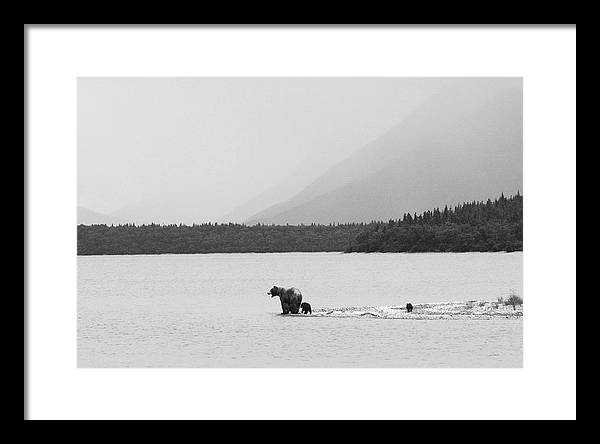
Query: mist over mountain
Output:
(304,173)
(192,150)
(271,196)
(464,143)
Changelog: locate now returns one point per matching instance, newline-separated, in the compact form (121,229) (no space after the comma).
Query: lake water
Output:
(213,311)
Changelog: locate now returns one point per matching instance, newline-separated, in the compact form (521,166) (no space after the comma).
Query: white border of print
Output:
(544,388)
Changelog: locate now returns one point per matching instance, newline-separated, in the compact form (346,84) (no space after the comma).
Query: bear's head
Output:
(274,291)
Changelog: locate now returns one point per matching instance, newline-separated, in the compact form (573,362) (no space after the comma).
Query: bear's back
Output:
(294,296)
(292,291)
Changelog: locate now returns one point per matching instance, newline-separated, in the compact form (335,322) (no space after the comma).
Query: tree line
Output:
(477,226)
(213,238)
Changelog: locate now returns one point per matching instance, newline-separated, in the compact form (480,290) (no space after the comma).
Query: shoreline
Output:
(305,252)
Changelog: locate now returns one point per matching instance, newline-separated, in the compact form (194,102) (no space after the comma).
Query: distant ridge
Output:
(86,216)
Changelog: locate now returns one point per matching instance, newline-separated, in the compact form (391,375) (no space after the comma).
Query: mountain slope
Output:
(305,172)
(463,144)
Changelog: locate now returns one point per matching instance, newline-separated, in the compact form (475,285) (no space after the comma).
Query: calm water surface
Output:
(213,311)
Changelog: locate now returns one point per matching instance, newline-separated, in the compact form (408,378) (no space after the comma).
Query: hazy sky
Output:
(193,149)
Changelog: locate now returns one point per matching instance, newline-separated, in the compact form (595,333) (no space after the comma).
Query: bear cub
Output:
(305,306)
(409,307)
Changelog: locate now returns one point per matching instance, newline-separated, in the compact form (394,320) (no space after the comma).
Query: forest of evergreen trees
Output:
(477,226)
(213,238)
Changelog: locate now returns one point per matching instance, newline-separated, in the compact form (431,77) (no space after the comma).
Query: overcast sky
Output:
(193,149)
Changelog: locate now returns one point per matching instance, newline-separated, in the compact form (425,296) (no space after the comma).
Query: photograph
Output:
(300,222)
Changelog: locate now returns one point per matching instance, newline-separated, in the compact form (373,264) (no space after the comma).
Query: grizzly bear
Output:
(290,298)
(306,308)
